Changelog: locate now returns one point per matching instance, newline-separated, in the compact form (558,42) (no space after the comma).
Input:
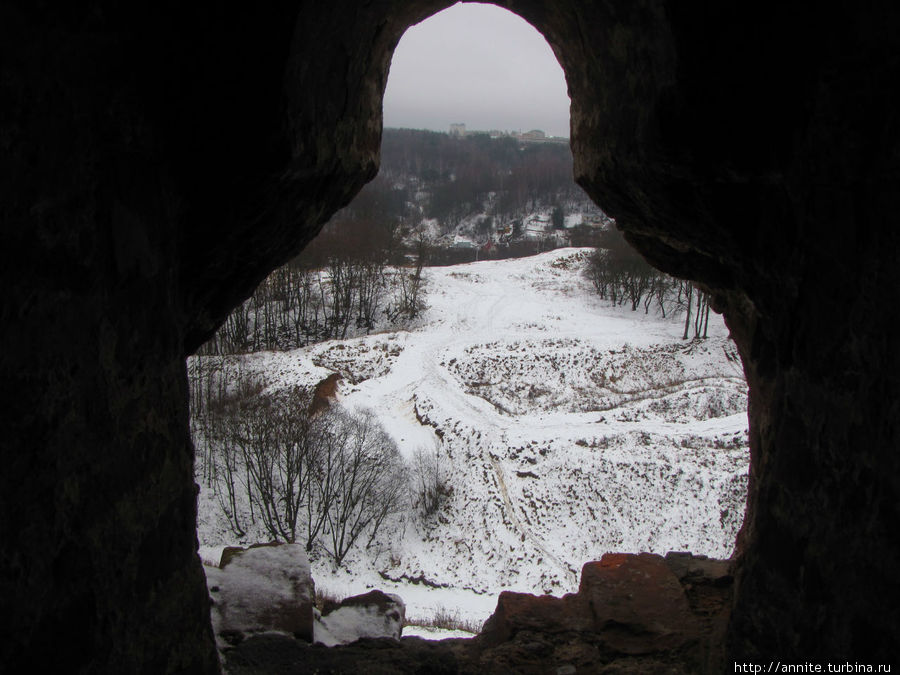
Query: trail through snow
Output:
(568,428)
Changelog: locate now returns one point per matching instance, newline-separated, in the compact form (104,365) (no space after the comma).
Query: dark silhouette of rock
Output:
(545,613)
(629,603)
(637,604)
(687,566)
(632,614)
(157,162)
(278,655)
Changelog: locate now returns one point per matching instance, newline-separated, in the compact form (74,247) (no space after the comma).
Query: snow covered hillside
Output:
(565,428)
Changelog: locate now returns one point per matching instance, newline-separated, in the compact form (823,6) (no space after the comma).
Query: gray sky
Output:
(480,65)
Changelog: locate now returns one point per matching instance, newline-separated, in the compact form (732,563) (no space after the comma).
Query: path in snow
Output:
(468,316)
(504,303)
(627,464)
(511,513)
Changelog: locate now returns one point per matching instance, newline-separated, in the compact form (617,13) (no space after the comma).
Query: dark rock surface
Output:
(273,654)
(158,160)
(637,604)
(631,614)
(630,610)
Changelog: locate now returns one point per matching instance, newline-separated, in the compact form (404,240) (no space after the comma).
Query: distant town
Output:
(459,130)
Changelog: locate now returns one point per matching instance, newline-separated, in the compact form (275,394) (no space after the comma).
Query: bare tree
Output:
(410,301)
(331,436)
(368,480)
(689,296)
(428,479)
(619,274)
(216,429)
(278,447)
(236,330)
(700,313)
(701,316)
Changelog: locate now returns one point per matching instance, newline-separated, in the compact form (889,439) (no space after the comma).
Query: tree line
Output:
(354,276)
(365,267)
(620,275)
(465,176)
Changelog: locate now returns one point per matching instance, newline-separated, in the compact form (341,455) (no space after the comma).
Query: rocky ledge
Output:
(633,613)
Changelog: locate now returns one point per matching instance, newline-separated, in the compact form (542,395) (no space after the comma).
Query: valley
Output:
(562,428)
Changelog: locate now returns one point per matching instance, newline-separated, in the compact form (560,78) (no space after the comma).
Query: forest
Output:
(366,269)
(502,177)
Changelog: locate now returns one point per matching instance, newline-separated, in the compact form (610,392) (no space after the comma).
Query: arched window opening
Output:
(479,66)
(523,391)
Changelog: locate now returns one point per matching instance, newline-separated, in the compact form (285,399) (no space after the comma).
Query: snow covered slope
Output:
(566,428)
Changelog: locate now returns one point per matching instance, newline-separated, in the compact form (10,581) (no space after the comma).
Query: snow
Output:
(422,602)
(429,633)
(211,555)
(257,587)
(573,220)
(348,624)
(568,429)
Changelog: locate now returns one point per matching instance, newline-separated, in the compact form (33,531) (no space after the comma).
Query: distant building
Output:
(458,129)
(535,135)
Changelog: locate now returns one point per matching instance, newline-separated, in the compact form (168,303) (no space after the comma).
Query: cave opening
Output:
(630,430)
(151,184)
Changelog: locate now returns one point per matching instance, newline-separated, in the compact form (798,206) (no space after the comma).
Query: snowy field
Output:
(567,429)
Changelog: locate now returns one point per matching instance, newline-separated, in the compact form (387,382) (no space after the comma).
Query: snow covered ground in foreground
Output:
(568,428)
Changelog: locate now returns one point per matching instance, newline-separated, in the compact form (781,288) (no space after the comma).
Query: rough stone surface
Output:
(546,613)
(158,161)
(687,566)
(626,604)
(609,626)
(637,603)
(261,589)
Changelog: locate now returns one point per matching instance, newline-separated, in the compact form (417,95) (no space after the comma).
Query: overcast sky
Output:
(480,65)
